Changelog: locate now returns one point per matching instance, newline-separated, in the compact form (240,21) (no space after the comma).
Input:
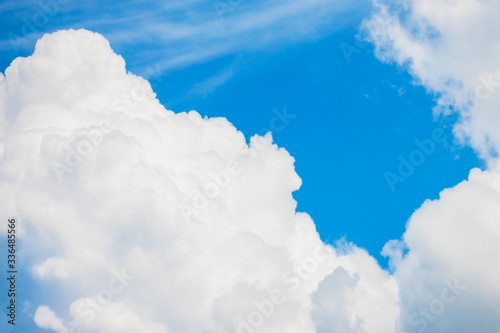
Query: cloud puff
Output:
(46,318)
(448,280)
(151,221)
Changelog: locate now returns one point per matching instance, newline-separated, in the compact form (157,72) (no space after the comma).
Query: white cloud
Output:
(101,315)
(355,300)
(46,318)
(448,279)
(59,268)
(139,214)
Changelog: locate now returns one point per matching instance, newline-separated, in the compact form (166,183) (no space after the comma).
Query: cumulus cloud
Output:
(152,221)
(46,318)
(447,279)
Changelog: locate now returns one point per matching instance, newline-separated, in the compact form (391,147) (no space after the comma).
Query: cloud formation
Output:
(46,318)
(447,265)
(152,221)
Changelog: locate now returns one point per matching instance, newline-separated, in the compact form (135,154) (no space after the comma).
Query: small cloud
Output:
(47,319)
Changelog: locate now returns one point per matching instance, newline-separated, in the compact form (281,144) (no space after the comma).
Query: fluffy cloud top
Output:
(151,221)
(448,281)
(46,318)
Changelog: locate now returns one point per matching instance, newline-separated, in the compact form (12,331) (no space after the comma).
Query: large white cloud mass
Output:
(151,221)
(448,280)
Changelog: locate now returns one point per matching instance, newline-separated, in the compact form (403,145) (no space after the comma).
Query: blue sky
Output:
(354,117)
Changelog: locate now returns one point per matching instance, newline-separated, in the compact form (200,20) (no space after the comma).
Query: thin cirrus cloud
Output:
(176,34)
(219,28)
(152,221)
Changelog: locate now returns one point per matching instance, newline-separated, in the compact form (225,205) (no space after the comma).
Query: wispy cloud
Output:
(213,82)
(181,33)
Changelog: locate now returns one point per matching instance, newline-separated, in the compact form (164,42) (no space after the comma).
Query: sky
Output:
(371,206)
